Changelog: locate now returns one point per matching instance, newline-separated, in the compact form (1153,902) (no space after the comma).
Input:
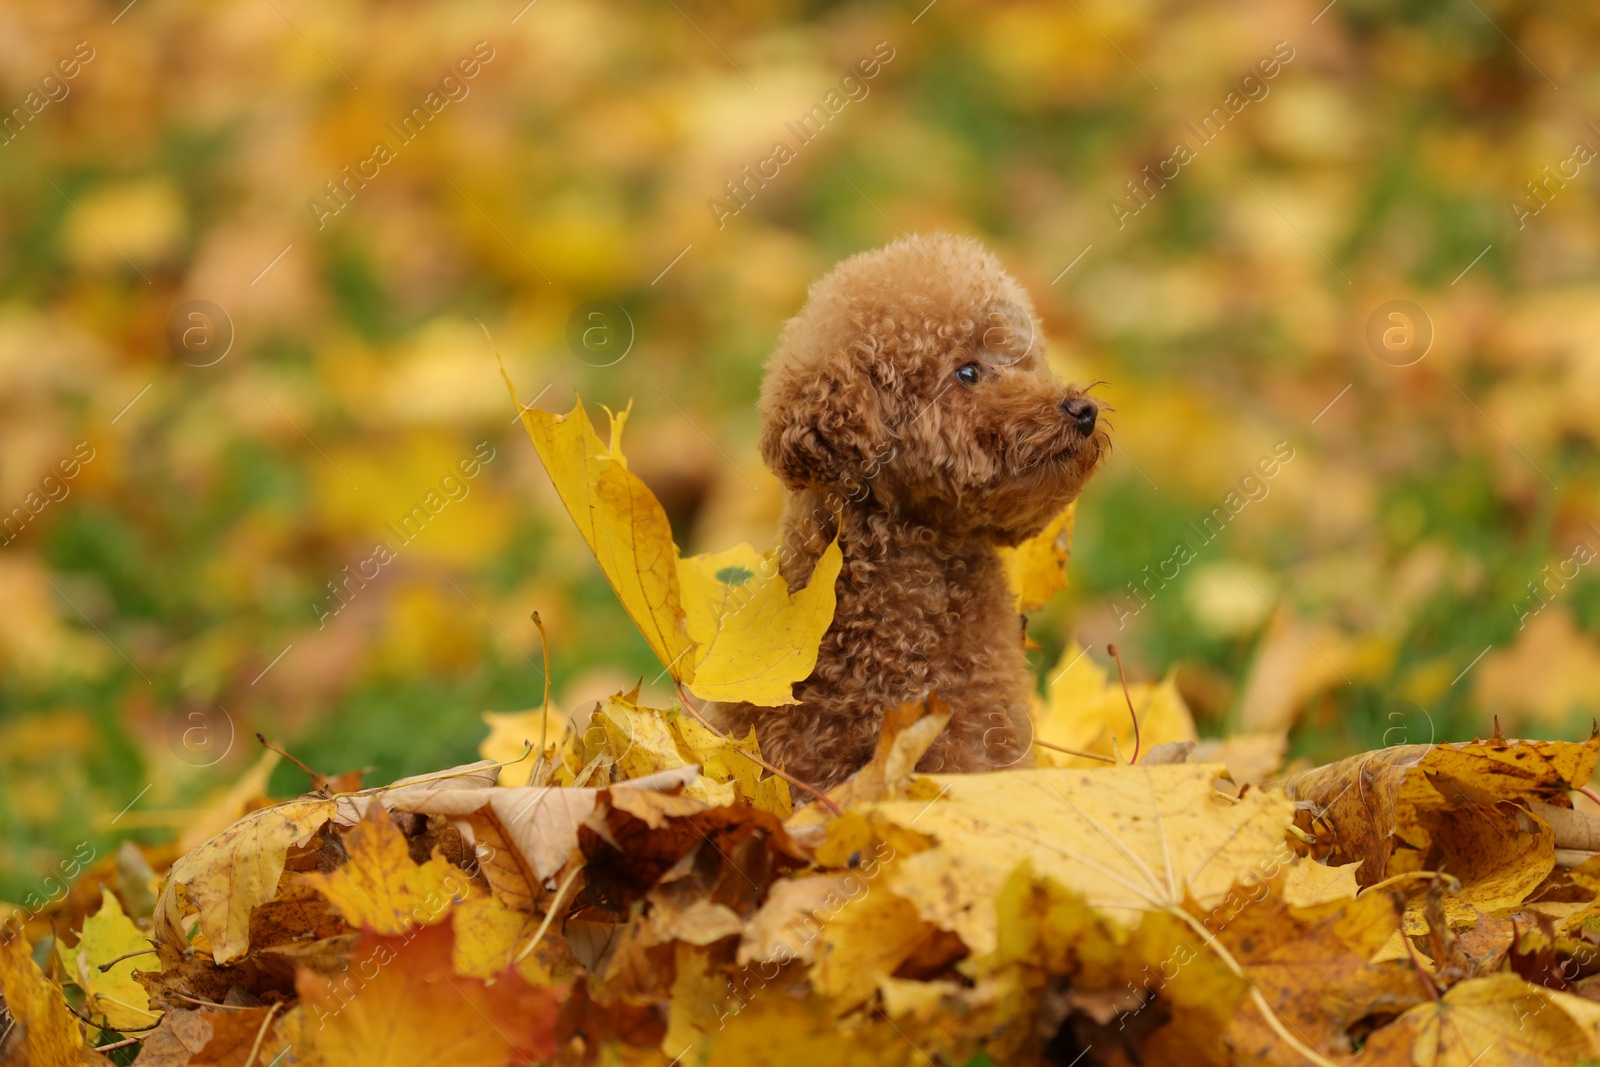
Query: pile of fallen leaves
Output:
(1416,905)
(629,886)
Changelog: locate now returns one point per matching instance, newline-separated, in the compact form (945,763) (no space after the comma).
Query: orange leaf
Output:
(402,1003)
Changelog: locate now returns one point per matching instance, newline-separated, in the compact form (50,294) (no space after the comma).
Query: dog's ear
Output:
(821,426)
(796,420)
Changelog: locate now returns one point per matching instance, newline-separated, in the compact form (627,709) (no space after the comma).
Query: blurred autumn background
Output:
(168,596)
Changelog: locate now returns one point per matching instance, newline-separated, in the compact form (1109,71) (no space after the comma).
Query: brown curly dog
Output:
(909,407)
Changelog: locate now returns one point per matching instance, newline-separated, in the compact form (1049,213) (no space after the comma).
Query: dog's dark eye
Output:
(968,373)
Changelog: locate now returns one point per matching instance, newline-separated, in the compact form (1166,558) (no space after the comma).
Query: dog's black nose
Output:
(1082,411)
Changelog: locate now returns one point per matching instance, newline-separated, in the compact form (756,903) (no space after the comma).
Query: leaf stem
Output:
(1131,713)
(270,747)
(124,1043)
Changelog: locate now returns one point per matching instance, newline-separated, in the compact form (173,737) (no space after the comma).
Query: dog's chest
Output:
(911,613)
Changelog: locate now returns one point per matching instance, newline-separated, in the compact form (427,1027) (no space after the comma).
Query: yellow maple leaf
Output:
(1310,883)
(1141,845)
(624,525)
(781,1027)
(510,732)
(112,996)
(642,741)
(864,943)
(725,625)
(380,888)
(1129,839)
(623,740)
(1037,568)
(722,759)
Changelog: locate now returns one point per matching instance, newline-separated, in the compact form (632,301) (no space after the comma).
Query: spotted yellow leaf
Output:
(226,877)
(755,639)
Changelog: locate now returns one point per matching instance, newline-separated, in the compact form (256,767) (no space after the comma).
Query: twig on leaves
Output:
(212,1004)
(101,1026)
(104,967)
(683,698)
(1422,972)
(261,1034)
(1401,877)
(270,747)
(537,771)
(124,1043)
(1074,751)
(550,913)
(1131,713)
(439,776)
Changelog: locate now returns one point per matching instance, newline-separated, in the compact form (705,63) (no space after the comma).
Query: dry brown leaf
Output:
(787,925)
(539,822)
(1313,966)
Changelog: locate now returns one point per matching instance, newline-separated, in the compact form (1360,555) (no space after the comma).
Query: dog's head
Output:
(916,375)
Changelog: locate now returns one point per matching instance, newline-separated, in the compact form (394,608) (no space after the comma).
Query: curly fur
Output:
(922,476)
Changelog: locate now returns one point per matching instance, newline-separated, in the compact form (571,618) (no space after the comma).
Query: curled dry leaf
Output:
(227,876)
(539,822)
(1370,805)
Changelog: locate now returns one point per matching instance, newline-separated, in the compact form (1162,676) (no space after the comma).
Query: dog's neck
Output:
(868,533)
